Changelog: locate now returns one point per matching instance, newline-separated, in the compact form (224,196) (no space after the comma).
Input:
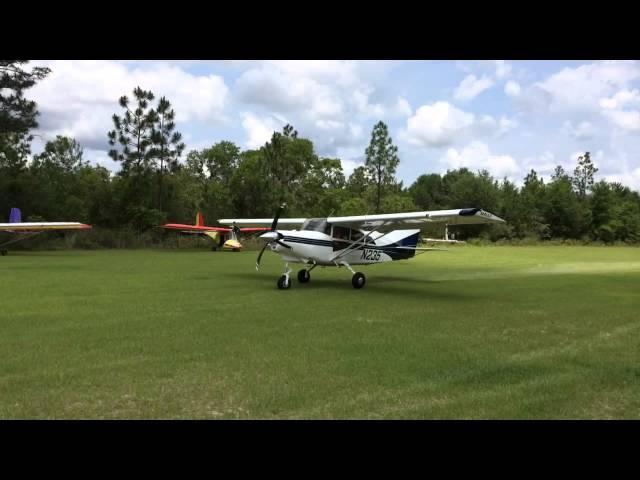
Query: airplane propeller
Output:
(273,236)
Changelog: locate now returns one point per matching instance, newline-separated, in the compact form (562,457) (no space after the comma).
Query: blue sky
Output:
(504,116)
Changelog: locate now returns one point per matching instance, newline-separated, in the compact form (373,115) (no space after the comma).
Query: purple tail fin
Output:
(15,216)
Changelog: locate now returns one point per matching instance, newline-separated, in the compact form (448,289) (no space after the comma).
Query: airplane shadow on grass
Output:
(397,286)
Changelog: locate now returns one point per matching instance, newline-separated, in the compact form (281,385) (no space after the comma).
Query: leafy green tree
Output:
(382,160)
(64,153)
(566,216)
(427,192)
(359,182)
(285,161)
(533,204)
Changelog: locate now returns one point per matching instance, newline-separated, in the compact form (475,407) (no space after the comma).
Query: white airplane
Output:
(22,230)
(355,240)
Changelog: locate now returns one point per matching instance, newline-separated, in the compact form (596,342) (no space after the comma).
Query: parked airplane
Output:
(21,230)
(225,238)
(353,240)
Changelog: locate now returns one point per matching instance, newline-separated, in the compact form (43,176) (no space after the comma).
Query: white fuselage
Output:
(315,247)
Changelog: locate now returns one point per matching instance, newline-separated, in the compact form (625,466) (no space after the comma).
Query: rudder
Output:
(15,216)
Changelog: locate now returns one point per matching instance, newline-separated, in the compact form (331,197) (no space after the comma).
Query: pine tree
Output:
(382,160)
(167,144)
(583,175)
(134,133)
(17,114)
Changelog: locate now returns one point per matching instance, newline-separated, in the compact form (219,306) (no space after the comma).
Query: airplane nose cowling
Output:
(270,236)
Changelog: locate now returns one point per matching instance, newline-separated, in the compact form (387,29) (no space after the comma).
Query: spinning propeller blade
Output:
(275,220)
(260,256)
(273,240)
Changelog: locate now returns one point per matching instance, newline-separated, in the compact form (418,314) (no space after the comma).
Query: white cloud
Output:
(543,164)
(79,97)
(100,157)
(437,125)
(503,69)
(348,166)
(477,156)
(581,88)
(471,87)
(627,120)
(630,179)
(318,89)
(621,99)
(505,124)
(355,130)
(488,125)
(259,130)
(512,89)
(403,108)
(328,124)
(441,124)
(583,131)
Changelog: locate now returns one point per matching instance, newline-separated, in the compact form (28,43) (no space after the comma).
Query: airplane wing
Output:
(41,226)
(261,221)
(197,228)
(193,228)
(463,216)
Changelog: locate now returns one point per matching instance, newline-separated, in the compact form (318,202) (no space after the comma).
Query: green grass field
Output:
(475,332)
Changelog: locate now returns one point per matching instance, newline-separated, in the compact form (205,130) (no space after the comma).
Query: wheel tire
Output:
(214,248)
(358,280)
(3,252)
(284,283)
(304,276)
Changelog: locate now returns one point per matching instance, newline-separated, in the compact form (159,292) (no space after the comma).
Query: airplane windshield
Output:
(317,225)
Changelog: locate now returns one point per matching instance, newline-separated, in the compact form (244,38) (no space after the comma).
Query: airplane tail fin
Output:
(15,216)
(199,219)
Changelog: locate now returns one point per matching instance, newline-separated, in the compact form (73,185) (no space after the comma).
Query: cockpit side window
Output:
(317,225)
(356,235)
(341,233)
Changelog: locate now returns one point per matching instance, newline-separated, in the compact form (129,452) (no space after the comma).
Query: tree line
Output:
(157,181)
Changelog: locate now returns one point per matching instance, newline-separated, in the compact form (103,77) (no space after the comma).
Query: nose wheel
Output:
(284,282)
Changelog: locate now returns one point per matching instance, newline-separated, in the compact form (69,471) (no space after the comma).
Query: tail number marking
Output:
(370,255)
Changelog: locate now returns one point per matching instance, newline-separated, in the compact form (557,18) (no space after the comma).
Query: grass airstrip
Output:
(474,332)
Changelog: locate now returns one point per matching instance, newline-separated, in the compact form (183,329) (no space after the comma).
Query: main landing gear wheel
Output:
(358,280)
(304,276)
(284,282)
(4,252)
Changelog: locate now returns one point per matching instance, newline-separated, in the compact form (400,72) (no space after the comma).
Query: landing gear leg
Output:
(284,282)
(358,280)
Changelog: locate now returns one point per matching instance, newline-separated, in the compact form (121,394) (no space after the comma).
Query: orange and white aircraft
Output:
(23,230)
(224,237)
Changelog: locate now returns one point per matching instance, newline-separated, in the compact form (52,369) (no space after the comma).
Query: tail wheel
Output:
(284,282)
(358,280)
(304,276)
